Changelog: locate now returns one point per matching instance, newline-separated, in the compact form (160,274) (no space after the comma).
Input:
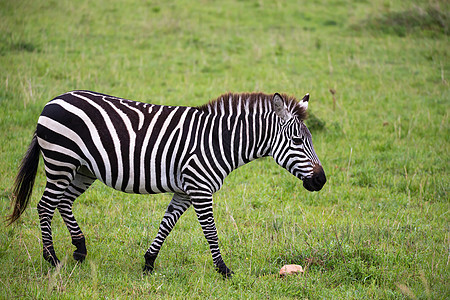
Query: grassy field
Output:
(380,227)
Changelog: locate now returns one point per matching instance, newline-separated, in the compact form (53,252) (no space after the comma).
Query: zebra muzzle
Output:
(316,181)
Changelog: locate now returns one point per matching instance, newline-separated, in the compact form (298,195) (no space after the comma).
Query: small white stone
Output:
(291,269)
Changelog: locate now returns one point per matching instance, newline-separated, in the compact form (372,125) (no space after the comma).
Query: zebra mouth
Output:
(311,186)
(316,182)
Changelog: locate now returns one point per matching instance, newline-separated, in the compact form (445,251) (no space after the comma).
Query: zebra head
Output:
(292,148)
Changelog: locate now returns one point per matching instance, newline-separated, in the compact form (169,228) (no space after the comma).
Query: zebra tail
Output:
(23,185)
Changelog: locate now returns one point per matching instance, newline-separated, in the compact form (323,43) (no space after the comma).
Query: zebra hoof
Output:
(149,263)
(228,274)
(80,253)
(148,269)
(224,270)
(79,256)
(50,256)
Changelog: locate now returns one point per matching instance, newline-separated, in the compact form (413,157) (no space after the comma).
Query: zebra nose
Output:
(316,181)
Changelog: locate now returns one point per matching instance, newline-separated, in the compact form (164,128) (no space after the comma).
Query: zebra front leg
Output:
(46,209)
(203,209)
(177,206)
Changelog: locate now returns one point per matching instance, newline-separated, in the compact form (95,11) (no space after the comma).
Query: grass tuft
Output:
(431,20)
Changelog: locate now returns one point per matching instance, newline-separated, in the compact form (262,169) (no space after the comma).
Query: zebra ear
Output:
(280,107)
(304,102)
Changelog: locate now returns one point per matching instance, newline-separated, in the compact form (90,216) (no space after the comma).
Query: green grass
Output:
(379,228)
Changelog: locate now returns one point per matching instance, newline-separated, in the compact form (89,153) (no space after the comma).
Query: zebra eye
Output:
(297,140)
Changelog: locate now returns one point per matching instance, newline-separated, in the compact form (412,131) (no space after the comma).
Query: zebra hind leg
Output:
(46,208)
(177,206)
(81,182)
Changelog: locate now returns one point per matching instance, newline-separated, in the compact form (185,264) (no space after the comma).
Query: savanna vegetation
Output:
(378,75)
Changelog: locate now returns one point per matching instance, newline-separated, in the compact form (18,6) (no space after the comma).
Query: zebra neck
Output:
(244,137)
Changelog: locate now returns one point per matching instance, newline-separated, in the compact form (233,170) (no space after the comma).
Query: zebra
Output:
(144,148)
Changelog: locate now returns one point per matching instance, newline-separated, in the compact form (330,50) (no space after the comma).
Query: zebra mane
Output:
(251,101)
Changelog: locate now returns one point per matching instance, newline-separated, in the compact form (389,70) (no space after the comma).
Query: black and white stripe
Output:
(144,148)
